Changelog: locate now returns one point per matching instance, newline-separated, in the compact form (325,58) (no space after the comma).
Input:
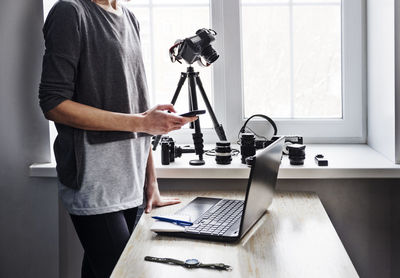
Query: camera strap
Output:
(243,128)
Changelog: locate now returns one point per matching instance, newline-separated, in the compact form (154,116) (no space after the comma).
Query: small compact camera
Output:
(169,151)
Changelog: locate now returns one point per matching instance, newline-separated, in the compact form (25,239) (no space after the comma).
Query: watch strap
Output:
(219,266)
(164,260)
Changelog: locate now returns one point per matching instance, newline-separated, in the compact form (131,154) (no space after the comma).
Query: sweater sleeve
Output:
(60,61)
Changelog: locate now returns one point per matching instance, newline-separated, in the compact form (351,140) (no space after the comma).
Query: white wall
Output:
(381,76)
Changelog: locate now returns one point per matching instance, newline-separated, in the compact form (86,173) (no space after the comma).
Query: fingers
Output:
(190,119)
(169,201)
(157,121)
(182,120)
(176,119)
(149,206)
(177,123)
(161,203)
(168,107)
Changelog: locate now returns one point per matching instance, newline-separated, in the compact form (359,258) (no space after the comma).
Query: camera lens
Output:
(247,146)
(209,54)
(223,152)
(297,154)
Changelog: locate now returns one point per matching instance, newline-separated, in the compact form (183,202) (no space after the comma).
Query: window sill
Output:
(346,161)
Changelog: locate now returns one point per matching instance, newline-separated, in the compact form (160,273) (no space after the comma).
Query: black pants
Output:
(103,238)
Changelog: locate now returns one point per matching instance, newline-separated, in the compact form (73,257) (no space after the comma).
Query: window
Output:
(299,61)
(293,69)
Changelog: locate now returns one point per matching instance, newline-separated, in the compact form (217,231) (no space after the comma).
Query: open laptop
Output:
(229,220)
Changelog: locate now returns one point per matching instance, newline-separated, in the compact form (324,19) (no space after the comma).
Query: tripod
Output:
(194,79)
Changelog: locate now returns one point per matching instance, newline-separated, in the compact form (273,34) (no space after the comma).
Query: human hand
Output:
(154,199)
(156,122)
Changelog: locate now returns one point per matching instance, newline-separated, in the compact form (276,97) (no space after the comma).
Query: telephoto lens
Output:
(223,152)
(297,154)
(247,146)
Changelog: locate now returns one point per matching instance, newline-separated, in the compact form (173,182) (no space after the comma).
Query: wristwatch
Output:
(190,263)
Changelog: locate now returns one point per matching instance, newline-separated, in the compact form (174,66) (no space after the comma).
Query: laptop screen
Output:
(261,184)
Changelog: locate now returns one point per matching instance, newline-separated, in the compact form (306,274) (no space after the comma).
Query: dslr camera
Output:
(194,48)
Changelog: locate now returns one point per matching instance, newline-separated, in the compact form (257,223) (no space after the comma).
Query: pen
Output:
(175,221)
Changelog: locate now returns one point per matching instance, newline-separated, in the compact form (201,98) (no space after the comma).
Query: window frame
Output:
(350,129)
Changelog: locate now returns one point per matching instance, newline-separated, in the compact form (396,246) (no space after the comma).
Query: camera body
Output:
(169,151)
(247,146)
(193,48)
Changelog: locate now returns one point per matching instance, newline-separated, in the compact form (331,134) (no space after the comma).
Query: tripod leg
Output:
(197,135)
(191,124)
(218,127)
(181,81)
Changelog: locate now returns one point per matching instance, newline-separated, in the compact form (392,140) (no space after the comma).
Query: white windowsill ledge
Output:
(345,161)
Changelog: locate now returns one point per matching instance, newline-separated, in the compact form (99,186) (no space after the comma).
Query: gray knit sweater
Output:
(92,57)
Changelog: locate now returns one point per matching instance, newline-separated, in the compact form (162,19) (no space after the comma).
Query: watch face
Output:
(192,263)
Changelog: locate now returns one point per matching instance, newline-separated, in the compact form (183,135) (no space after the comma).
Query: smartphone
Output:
(193,113)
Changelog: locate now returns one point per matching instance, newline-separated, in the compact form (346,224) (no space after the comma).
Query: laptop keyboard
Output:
(218,219)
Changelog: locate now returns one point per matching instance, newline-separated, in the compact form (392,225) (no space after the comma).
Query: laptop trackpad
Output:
(197,207)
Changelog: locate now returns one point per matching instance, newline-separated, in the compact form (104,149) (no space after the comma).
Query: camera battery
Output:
(320,160)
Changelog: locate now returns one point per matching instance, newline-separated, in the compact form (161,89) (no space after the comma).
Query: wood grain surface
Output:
(295,238)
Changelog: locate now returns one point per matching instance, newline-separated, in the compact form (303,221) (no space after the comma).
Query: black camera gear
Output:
(181,150)
(194,82)
(262,142)
(289,140)
(321,160)
(192,49)
(250,160)
(297,154)
(165,151)
(248,142)
(247,146)
(243,128)
(223,152)
(169,151)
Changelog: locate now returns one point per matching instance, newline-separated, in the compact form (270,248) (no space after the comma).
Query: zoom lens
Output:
(209,54)
(223,152)
(247,146)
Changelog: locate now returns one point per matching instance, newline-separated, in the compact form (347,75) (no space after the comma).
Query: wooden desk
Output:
(294,239)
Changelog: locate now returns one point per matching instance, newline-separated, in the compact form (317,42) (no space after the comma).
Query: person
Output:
(93,86)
